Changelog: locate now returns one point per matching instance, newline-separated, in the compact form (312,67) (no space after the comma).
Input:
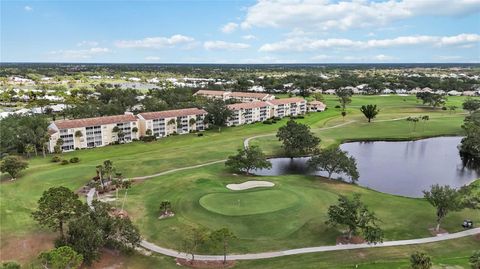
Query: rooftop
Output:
(172,113)
(248,105)
(78,123)
(284,101)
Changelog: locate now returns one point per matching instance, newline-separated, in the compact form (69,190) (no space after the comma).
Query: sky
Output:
(263,31)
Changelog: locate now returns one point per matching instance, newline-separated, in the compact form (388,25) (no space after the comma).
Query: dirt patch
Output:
(205,264)
(477,237)
(25,248)
(343,240)
(436,233)
(110,259)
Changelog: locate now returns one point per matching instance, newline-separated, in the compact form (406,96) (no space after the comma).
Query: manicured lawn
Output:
(290,215)
(446,254)
(296,214)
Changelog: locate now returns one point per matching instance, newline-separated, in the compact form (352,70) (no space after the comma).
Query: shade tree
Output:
(335,160)
(445,199)
(247,159)
(297,139)
(356,218)
(12,165)
(370,111)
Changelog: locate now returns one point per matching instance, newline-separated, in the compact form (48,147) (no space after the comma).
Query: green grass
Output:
(452,254)
(248,202)
(296,224)
(293,212)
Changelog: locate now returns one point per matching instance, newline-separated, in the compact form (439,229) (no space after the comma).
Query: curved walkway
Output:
(273,254)
(265,255)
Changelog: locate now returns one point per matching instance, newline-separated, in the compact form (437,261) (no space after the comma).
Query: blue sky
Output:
(263,31)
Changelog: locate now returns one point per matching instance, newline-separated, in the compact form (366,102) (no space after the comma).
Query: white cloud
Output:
(81,54)
(383,58)
(329,14)
(152,58)
(155,42)
(86,43)
(28,8)
(229,27)
(248,37)
(308,44)
(222,45)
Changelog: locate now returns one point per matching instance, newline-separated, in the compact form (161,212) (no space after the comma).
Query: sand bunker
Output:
(249,185)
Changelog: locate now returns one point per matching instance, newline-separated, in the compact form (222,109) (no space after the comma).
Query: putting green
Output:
(248,203)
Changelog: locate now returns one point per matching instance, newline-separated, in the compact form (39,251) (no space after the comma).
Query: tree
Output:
(86,238)
(420,260)
(414,121)
(444,199)
(29,149)
(470,145)
(13,165)
(148,132)
(221,238)
(344,97)
(218,113)
(58,146)
(78,134)
(471,105)
(344,113)
(165,207)
(10,265)
(475,260)
(334,160)
(126,184)
(356,217)
(56,207)
(116,130)
(297,139)
(192,122)
(134,130)
(247,159)
(61,258)
(100,228)
(370,111)
(432,99)
(424,119)
(196,237)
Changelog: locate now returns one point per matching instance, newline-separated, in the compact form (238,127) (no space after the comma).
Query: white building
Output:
(179,121)
(92,132)
(245,113)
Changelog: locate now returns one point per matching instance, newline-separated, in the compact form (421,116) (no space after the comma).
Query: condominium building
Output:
(316,106)
(92,132)
(237,96)
(179,121)
(288,107)
(244,113)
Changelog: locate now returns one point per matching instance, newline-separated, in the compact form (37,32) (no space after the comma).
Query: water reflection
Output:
(402,168)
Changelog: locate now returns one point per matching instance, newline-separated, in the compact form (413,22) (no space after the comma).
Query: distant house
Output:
(95,132)
(316,106)
(469,93)
(454,93)
(330,91)
(238,96)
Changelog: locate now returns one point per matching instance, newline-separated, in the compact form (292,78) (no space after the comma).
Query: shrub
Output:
(77,148)
(337,106)
(148,138)
(199,134)
(444,108)
(276,118)
(56,159)
(74,160)
(300,117)
(267,122)
(64,162)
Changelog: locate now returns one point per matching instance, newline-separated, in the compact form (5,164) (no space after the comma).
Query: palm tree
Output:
(192,121)
(44,140)
(425,119)
(126,184)
(370,111)
(100,173)
(115,131)
(148,132)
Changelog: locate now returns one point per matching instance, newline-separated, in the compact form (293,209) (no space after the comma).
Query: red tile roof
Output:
(78,123)
(210,92)
(287,101)
(248,105)
(315,103)
(172,113)
(249,94)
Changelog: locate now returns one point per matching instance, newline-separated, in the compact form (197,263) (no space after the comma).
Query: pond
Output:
(402,168)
